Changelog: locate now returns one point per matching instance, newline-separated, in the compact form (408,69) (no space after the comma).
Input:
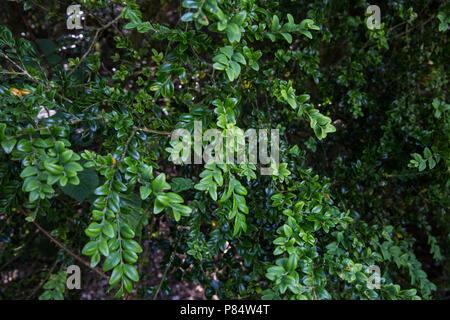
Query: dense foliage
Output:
(85,122)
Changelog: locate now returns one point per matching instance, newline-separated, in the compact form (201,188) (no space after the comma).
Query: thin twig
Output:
(167,133)
(94,40)
(30,31)
(13,73)
(172,256)
(24,72)
(150,232)
(96,118)
(44,280)
(59,244)
(147,248)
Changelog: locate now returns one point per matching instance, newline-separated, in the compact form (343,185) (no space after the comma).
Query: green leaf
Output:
(116,275)
(287,230)
(213,191)
(126,231)
(181,184)
(162,199)
(275,23)
(8,145)
(306,33)
(111,261)
(239,18)
(236,69)
(48,46)
(144,192)
(108,229)
(233,33)
(182,209)
(422,165)
(90,248)
(130,256)
(188,16)
(174,198)
(95,259)
(88,183)
(227,51)
(31,184)
(103,247)
(239,58)
(132,245)
(119,186)
(219,66)
(2,131)
(53,168)
(130,272)
(159,182)
(29,171)
(221,58)
(431,163)
(93,229)
(287,36)
(230,73)
(276,270)
(158,207)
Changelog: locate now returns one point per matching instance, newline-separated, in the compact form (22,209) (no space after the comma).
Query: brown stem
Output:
(169,264)
(167,133)
(147,247)
(59,244)
(94,40)
(98,118)
(44,280)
